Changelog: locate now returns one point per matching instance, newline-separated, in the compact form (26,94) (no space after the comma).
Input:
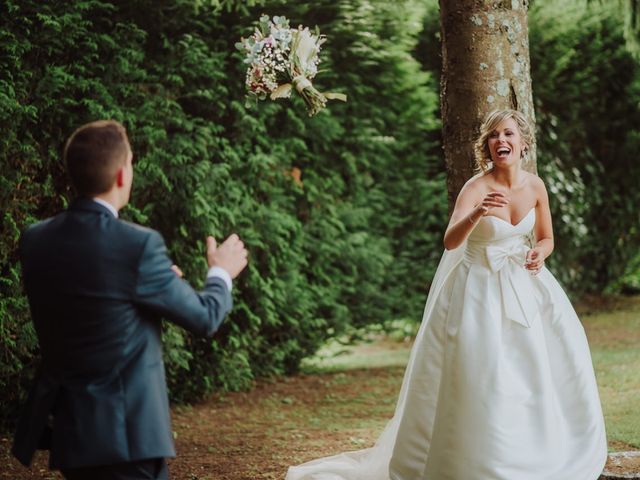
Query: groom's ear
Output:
(120,177)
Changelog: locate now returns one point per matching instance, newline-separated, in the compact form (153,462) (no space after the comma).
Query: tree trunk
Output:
(485,66)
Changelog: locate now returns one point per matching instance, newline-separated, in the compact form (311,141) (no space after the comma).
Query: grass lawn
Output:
(614,337)
(613,329)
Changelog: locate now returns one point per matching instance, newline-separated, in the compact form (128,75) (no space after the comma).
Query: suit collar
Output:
(89,205)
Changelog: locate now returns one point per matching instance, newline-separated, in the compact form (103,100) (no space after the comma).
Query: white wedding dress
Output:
(499,385)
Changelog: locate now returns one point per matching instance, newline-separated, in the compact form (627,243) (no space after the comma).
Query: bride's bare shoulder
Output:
(473,190)
(537,186)
(477,182)
(536,182)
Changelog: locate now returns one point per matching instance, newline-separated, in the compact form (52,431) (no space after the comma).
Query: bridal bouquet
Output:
(281,59)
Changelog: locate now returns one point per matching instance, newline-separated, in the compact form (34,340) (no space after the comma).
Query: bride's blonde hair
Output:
(491,121)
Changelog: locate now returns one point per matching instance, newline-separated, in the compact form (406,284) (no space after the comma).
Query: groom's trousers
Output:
(152,469)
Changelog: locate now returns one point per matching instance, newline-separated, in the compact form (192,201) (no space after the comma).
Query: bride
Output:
(500,384)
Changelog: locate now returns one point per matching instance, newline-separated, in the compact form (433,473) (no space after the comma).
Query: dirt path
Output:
(256,435)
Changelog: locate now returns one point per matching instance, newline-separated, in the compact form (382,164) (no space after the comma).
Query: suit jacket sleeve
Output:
(160,290)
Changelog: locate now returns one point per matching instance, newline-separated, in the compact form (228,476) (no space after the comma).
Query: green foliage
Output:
(587,92)
(629,282)
(347,244)
(632,26)
(631,9)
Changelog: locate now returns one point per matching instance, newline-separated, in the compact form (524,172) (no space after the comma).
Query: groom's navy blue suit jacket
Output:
(97,287)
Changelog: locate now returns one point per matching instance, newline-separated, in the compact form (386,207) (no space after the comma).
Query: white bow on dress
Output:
(519,303)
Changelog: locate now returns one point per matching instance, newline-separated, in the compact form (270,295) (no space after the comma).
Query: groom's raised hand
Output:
(230,255)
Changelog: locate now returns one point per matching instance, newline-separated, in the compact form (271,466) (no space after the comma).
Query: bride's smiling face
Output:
(505,143)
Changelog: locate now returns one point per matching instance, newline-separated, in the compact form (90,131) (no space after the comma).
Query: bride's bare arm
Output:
(471,204)
(543,229)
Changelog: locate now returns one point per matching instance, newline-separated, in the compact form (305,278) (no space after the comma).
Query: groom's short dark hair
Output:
(93,154)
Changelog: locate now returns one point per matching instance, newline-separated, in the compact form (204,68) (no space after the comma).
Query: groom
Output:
(97,288)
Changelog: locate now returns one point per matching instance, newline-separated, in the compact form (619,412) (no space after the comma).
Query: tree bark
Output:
(485,66)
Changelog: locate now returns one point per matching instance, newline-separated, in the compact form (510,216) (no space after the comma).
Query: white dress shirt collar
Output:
(107,205)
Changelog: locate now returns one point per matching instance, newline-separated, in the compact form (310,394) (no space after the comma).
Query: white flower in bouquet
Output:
(281,59)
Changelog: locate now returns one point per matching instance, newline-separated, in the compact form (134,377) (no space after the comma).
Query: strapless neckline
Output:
(509,223)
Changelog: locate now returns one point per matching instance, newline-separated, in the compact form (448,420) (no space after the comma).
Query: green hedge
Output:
(587,93)
(349,246)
